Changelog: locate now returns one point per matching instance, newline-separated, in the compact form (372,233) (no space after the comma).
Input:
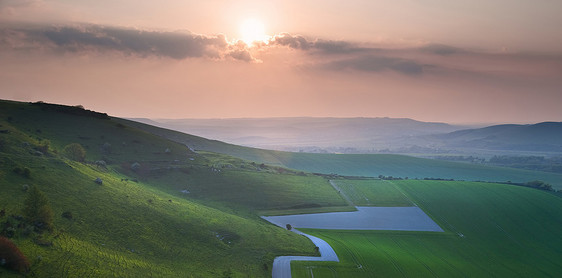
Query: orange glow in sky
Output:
(252,30)
(436,60)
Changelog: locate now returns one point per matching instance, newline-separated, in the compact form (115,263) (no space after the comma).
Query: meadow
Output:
(165,209)
(138,223)
(491,230)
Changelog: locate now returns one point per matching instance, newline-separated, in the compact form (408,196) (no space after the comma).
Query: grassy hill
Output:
(162,210)
(360,164)
(546,136)
(491,230)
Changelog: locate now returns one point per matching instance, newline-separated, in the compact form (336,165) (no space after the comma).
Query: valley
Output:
(148,201)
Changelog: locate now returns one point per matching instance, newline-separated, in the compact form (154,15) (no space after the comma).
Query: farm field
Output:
(365,218)
(372,192)
(491,230)
(368,165)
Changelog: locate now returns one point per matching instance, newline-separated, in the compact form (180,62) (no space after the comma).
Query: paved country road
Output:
(282,265)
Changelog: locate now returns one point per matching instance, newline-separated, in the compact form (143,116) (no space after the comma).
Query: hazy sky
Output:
(431,60)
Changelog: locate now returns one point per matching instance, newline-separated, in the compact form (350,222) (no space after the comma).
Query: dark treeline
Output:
(77,110)
(540,163)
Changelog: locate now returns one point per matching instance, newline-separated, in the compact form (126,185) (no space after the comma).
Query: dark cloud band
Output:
(96,38)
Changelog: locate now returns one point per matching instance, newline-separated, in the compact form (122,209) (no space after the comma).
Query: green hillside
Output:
(491,230)
(138,222)
(371,165)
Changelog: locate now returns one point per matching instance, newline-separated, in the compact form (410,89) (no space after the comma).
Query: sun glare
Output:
(252,30)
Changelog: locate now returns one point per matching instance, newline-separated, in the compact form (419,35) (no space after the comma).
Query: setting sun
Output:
(252,30)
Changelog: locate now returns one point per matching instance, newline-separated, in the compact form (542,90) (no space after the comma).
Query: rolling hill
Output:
(141,205)
(175,205)
(542,137)
(371,165)
(355,135)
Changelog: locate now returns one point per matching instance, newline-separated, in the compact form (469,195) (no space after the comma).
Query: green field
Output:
(376,193)
(491,230)
(368,165)
(138,223)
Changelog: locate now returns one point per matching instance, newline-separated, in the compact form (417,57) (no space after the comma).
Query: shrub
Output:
(75,152)
(67,215)
(24,172)
(44,147)
(106,147)
(12,257)
(37,210)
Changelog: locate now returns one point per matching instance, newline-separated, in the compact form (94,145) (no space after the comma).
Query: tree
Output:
(11,257)
(75,152)
(37,210)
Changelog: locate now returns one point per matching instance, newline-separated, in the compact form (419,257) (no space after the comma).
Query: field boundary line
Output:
(344,196)
(403,193)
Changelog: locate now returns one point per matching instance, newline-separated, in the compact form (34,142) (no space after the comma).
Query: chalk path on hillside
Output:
(282,265)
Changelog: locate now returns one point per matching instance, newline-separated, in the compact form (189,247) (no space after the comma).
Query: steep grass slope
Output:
(138,222)
(361,164)
(492,230)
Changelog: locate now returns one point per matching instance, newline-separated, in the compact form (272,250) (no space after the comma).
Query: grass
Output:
(369,165)
(375,193)
(128,229)
(256,190)
(138,223)
(492,230)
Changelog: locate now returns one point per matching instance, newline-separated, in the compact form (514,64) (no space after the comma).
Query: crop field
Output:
(491,230)
(376,193)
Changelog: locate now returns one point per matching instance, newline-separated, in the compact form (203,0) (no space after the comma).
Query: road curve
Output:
(282,265)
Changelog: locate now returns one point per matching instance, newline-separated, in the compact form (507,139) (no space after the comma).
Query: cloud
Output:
(441,49)
(327,46)
(335,55)
(144,43)
(376,64)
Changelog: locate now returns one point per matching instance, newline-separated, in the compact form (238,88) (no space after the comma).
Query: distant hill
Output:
(545,137)
(346,135)
(374,135)
(359,164)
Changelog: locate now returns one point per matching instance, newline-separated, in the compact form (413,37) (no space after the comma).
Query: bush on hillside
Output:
(75,152)
(44,146)
(24,172)
(11,257)
(67,215)
(37,210)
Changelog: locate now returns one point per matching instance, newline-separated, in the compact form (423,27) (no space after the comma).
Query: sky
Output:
(465,61)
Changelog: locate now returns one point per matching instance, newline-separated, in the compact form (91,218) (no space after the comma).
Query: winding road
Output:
(282,265)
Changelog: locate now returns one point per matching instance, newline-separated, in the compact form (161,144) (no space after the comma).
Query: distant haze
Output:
(374,135)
